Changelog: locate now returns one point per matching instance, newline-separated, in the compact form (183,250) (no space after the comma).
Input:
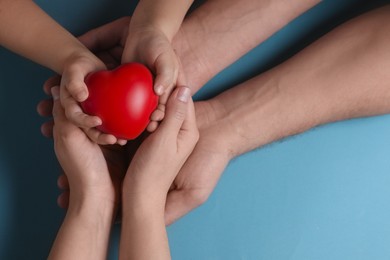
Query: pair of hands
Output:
(95,171)
(201,171)
(144,44)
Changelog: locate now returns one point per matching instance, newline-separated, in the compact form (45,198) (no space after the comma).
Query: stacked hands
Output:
(100,172)
(160,177)
(146,45)
(112,44)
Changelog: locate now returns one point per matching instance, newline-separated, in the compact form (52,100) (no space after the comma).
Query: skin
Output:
(84,234)
(149,41)
(343,75)
(258,111)
(40,40)
(149,177)
(85,231)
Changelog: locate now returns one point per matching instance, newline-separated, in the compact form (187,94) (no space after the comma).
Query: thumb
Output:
(195,182)
(176,111)
(167,69)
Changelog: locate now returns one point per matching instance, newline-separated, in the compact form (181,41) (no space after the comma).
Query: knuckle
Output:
(69,113)
(73,68)
(198,197)
(179,114)
(74,85)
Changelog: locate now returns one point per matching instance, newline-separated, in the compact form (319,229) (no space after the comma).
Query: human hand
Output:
(82,160)
(150,46)
(74,90)
(93,198)
(162,154)
(200,173)
(107,42)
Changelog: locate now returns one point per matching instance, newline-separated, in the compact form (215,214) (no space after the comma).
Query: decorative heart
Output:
(123,98)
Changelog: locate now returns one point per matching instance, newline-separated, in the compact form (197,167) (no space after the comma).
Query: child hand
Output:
(162,154)
(152,47)
(74,90)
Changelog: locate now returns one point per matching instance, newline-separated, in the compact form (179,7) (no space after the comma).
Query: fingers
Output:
(62,182)
(58,111)
(63,200)
(156,117)
(62,126)
(167,68)
(45,107)
(74,112)
(47,129)
(176,111)
(76,85)
(51,82)
(179,203)
(88,123)
(101,138)
(201,173)
(189,124)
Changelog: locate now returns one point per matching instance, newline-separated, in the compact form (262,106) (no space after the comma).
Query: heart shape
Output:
(123,98)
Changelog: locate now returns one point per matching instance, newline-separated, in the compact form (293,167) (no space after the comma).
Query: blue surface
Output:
(320,195)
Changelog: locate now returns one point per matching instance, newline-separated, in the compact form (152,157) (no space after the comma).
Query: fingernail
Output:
(55,92)
(159,89)
(184,94)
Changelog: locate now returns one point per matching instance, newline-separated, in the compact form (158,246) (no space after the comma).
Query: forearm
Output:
(221,31)
(166,15)
(85,231)
(30,32)
(343,75)
(143,234)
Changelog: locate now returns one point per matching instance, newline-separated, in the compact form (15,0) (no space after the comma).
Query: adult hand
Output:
(162,154)
(85,230)
(150,174)
(107,43)
(202,170)
(83,161)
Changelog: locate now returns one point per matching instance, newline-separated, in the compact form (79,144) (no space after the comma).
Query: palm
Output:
(201,172)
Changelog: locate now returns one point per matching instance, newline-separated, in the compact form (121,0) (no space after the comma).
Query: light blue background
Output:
(321,195)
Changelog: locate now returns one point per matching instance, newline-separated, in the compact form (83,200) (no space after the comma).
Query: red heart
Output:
(123,98)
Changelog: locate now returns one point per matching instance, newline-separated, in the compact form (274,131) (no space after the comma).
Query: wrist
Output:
(93,198)
(143,201)
(195,41)
(92,210)
(270,107)
(82,55)
(143,204)
(194,65)
(251,112)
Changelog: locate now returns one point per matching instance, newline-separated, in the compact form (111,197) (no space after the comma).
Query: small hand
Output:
(74,90)
(107,43)
(151,47)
